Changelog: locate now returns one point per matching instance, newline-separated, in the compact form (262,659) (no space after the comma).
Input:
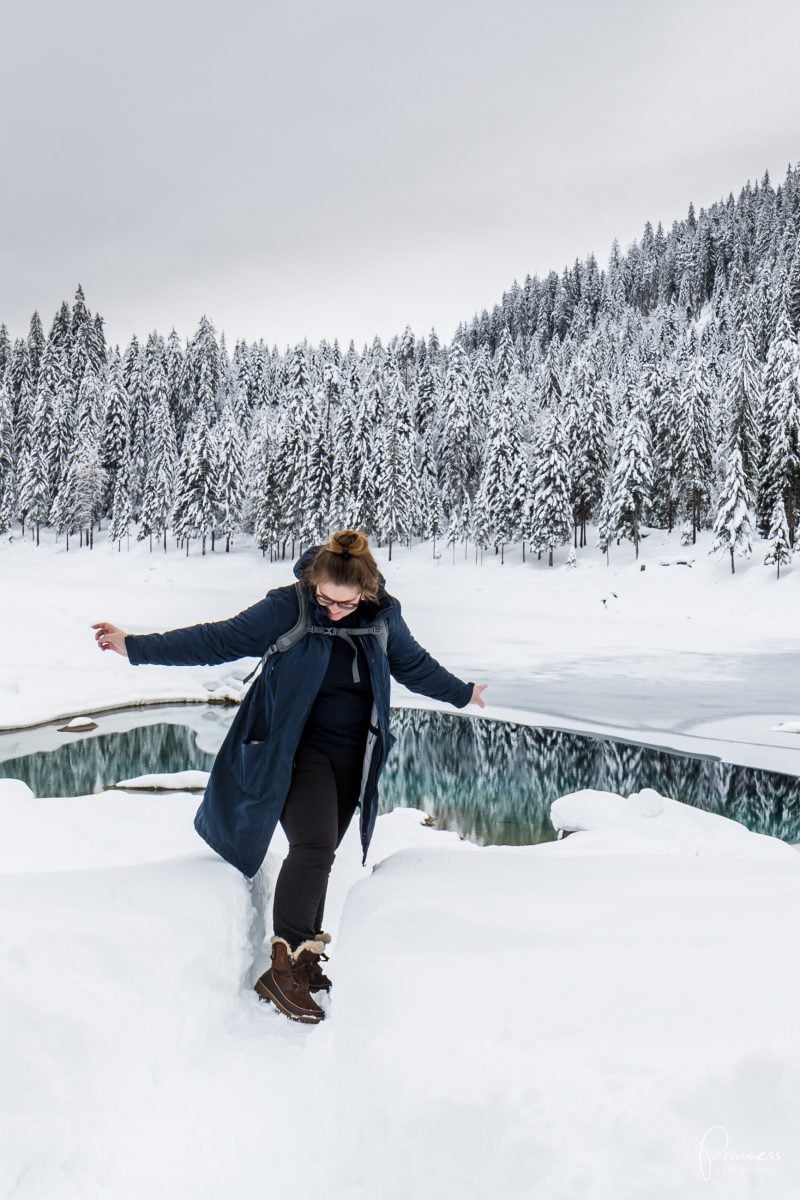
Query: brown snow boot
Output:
(286,984)
(317,979)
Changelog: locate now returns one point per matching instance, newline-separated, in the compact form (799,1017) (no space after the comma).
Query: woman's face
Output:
(338,599)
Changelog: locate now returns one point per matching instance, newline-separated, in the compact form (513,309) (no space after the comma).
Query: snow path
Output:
(560,1020)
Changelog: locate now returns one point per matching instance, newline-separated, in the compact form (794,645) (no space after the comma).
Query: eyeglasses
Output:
(346,605)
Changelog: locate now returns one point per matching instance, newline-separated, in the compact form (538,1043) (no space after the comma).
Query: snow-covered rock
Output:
(646,822)
(78,725)
(166,781)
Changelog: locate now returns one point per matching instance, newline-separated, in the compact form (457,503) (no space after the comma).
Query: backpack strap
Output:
(302,627)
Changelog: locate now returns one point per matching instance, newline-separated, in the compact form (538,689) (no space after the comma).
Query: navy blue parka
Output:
(251,775)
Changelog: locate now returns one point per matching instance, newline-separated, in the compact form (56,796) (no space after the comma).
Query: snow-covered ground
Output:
(611,1015)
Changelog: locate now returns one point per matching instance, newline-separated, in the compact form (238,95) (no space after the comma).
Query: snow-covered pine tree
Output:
(604,517)
(780,476)
(780,550)
(481,388)
(552,507)
(34,348)
(480,525)
(406,356)
(466,522)
(792,293)
(88,406)
(425,407)
(743,400)
(203,371)
(332,389)
(316,522)
(197,491)
(230,451)
(453,529)
(501,497)
(268,526)
(395,465)
(662,402)
(341,496)
(121,508)
(77,502)
(588,446)
(631,479)
(135,380)
(115,434)
(19,378)
(457,456)
(733,526)
(289,460)
(64,438)
(363,466)
(36,493)
(694,446)
(162,464)
(7,480)
(429,519)
(296,439)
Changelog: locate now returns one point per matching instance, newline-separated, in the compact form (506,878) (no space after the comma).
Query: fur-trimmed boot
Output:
(317,979)
(286,981)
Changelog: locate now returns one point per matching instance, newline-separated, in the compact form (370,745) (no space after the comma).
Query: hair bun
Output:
(348,543)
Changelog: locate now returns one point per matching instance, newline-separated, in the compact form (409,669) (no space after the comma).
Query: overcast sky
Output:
(342,168)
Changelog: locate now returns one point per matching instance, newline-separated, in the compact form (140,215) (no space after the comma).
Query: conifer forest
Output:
(585,408)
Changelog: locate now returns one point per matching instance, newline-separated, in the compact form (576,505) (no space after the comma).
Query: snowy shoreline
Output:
(695,661)
(781,754)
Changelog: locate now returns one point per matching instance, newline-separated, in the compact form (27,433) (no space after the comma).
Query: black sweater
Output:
(339,717)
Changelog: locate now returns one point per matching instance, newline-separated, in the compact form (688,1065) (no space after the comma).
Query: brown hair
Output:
(345,559)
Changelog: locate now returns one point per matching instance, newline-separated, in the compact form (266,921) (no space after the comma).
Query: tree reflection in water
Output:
(490,781)
(493,782)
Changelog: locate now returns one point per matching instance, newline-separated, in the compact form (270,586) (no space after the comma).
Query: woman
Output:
(309,740)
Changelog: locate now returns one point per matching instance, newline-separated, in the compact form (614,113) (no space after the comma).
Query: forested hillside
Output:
(663,390)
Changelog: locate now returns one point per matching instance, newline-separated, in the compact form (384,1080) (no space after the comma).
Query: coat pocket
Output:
(252,762)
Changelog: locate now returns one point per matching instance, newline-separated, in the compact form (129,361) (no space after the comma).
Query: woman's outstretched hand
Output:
(110,637)
(476,694)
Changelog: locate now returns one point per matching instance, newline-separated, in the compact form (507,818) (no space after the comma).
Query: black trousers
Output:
(319,806)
